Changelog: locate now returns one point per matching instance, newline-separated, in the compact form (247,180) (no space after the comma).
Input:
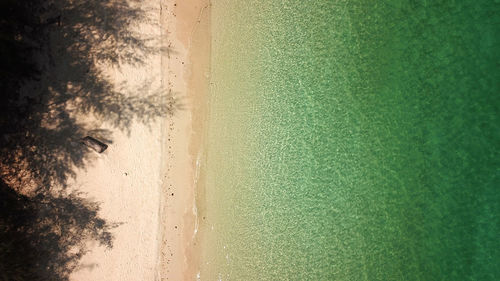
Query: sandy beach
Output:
(249,140)
(144,181)
(100,132)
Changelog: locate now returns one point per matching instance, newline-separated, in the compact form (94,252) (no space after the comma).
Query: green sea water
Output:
(352,140)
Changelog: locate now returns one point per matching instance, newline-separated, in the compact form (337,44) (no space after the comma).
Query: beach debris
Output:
(96,145)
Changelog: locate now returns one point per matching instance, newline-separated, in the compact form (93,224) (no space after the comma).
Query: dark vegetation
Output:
(49,53)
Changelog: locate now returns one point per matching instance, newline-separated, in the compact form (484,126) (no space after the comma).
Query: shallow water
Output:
(353,140)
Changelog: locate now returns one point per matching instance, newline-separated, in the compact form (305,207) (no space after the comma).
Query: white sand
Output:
(145,180)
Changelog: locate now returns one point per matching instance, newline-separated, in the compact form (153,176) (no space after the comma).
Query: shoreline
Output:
(188,58)
(198,90)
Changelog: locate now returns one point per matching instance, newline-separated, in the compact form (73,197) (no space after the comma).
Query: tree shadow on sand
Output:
(50,61)
(43,237)
(40,129)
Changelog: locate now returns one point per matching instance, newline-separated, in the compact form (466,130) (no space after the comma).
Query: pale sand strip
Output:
(188,66)
(145,180)
(126,179)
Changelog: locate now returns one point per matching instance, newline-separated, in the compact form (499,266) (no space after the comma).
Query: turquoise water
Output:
(353,140)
